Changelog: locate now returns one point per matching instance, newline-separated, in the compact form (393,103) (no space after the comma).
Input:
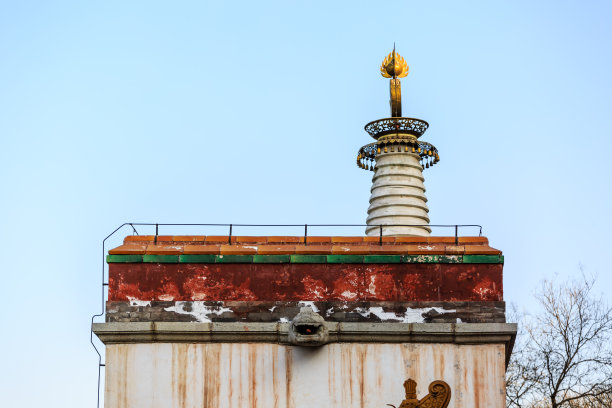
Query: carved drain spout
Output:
(308,329)
(438,397)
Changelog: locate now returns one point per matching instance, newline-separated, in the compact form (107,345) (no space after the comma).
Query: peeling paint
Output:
(333,311)
(136,302)
(166,297)
(199,310)
(314,288)
(349,295)
(424,258)
(305,303)
(409,316)
(372,286)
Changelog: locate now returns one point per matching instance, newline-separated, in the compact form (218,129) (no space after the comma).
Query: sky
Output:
(253,112)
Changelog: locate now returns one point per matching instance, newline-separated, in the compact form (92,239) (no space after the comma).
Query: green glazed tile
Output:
(161,258)
(344,258)
(123,258)
(483,259)
(308,258)
(420,258)
(234,258)
(272,258)
(382,259)
(451,259)
(197,258)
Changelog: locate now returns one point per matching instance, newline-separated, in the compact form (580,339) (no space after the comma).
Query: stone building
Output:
(394,317)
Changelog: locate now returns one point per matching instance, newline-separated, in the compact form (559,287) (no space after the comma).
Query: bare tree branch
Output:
(563,353)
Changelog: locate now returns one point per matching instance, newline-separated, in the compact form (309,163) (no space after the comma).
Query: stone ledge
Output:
(279,311)
(234,332)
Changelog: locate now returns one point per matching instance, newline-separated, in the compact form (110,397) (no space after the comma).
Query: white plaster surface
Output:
(137,302)
(308,303)
(398,196)
(199,310)
(410,315)
(341,375)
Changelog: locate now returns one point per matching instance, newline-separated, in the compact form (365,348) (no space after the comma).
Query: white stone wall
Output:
(398,196)
(341,375)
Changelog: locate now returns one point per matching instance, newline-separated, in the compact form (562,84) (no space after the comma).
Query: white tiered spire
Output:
(397,201)
(398,196)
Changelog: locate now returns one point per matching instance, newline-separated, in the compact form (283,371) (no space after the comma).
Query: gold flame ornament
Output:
(394,66)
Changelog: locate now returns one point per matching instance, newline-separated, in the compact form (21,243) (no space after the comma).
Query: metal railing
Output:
(230,227)
(305,226)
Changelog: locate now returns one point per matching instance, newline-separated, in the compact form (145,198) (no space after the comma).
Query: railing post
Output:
(229,238)
(456,235)
(380,239)
(156,233)
(305,234)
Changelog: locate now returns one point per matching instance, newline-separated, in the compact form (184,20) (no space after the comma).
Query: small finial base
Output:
(395,100)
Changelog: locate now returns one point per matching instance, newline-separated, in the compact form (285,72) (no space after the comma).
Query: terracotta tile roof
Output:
(289,245)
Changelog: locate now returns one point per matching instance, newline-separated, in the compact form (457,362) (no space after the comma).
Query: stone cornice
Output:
(235,332)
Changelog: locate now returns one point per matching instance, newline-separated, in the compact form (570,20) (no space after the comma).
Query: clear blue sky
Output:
(188,111)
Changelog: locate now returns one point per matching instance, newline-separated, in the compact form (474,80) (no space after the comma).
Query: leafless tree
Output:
(523,371)
(563,357)
(604,400)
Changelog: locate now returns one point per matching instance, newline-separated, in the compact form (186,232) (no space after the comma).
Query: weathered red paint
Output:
(316,282)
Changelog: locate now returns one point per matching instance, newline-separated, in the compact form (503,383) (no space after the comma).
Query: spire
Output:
(397,159)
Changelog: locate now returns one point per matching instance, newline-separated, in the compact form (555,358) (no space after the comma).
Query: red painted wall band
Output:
(316,282)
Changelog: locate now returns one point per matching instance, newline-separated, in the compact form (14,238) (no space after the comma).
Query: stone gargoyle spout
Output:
(308,329)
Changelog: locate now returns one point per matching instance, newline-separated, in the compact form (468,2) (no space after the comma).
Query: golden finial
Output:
(394,66)
(396,133)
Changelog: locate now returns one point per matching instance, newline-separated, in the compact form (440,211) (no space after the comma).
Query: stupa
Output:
(399,319)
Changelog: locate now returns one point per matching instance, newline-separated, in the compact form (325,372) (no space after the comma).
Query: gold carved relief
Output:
(438,397)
